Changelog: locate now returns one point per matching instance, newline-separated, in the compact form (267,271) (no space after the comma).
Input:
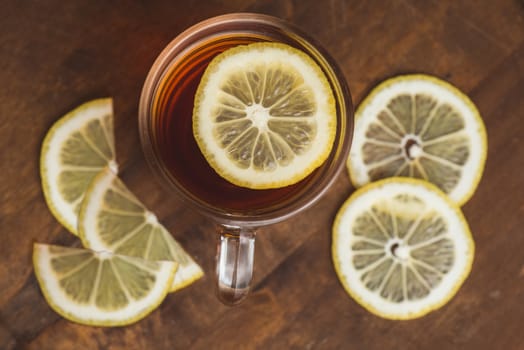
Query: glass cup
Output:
(171,152)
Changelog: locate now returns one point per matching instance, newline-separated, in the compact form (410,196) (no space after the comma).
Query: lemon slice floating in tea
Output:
(422,127)
(100,289)
(113,219)
(401,248)
(264,115)
(75,149)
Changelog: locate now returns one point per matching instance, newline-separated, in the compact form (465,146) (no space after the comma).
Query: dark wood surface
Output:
(55,55)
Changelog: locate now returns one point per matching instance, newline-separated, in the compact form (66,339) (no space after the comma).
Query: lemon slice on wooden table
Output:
(422,127)
(113,219)
(264,115)
(401,248)
(75,149)
(100,288)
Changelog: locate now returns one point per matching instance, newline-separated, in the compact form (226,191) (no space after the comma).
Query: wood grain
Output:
(55,55)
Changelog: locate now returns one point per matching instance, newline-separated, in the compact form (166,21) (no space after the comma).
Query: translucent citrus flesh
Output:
(401,248)
(75,149)
(113,219)
(419,126)
(264,115)
(100,289)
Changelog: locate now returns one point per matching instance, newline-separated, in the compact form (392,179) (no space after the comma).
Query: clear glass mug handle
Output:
(234,263)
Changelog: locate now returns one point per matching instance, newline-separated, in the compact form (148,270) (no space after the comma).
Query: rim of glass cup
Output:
(321,179)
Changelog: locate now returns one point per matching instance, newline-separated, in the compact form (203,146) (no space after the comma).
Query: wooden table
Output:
(55,55)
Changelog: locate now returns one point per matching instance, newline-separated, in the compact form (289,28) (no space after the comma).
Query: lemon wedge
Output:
(75,149)
(100,288)
(113,219)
